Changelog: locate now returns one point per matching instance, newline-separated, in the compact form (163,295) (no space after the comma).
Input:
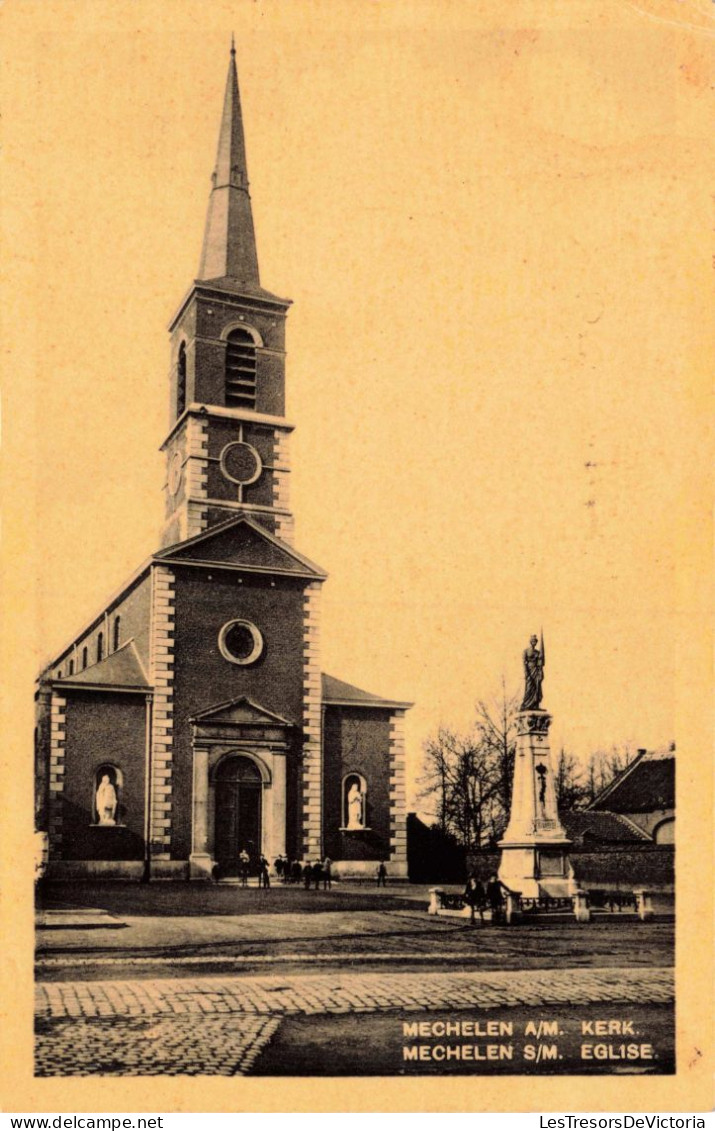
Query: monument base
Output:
(536,870)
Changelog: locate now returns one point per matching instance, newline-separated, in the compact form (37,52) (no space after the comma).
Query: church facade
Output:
(190,720)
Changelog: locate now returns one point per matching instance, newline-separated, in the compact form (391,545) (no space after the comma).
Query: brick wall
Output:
(201,326)
(99,727)
(357,740)
(205,600)
(134,612)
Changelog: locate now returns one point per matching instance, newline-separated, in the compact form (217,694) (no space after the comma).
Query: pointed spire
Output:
(229,239)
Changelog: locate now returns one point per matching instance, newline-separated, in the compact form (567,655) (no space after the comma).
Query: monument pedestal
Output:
(534,859)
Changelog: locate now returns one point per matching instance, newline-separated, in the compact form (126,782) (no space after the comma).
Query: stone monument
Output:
(534,858)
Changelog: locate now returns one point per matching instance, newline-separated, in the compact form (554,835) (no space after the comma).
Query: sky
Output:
(490,220)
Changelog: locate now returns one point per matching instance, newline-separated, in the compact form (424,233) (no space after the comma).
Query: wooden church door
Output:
(239,792)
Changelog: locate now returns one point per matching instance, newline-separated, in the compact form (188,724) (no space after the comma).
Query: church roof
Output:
(121,670)
(338,693)
(646,785)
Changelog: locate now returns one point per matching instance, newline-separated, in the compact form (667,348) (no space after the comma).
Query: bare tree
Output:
(436,778)
(495,724)
(571,791)
(604,766)
(469,775)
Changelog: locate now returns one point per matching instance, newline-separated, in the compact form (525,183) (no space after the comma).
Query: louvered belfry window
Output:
(181,380)
(240,370)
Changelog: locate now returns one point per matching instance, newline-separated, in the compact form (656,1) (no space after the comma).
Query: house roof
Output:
(338,693)
(121,670)
(602,828)
(646,785)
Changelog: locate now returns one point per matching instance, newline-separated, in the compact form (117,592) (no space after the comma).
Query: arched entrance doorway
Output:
(239,790)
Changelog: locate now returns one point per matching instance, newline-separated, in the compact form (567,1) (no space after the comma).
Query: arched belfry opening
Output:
(240,369)
(181,380)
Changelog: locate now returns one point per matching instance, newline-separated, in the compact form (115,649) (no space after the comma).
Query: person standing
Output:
(381,874)
(474,898)
(264,877)
(327,865)
(495,898)
(244,861)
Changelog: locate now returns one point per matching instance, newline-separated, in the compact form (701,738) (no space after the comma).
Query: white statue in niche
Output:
(106,802)
(355,807)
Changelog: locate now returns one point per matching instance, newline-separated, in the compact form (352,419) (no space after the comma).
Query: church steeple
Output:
(226,452)
(229,249)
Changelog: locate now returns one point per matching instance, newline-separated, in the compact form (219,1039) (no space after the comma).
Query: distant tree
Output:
(468,776)
(603,767)
(496,729)
(571,790)
(435,781)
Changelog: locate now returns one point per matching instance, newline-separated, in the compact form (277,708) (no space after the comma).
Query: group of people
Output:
(309,873)
(244,869)
(479,897)
(312,874)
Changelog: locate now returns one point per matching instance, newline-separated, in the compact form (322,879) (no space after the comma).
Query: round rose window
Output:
(241,463)
(240,642)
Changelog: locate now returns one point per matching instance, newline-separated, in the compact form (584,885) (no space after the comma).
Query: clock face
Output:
(176,468)
(241,463)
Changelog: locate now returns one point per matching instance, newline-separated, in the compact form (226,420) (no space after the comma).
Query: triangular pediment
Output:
(241,543)
(240,712)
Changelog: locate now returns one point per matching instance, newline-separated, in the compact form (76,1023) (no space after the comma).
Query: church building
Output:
(189,720)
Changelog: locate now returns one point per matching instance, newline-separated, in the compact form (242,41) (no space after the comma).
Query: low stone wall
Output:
(116,870)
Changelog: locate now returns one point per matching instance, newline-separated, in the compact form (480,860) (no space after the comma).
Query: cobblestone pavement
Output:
(218,1026)
(137,1046)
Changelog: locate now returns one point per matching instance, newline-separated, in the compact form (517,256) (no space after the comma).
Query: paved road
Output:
(219,1026)
(162,946)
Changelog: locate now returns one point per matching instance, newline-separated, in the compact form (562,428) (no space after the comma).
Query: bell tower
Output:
(227,447)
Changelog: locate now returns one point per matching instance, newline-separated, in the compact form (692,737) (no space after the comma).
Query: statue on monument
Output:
(533,674)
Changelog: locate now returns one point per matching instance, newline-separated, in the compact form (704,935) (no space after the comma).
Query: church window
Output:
(106,796)
(117,625)
(181,380)
(240,642)
(240,369)
(71,667)
(354,802)
(100,647)
(85,658)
